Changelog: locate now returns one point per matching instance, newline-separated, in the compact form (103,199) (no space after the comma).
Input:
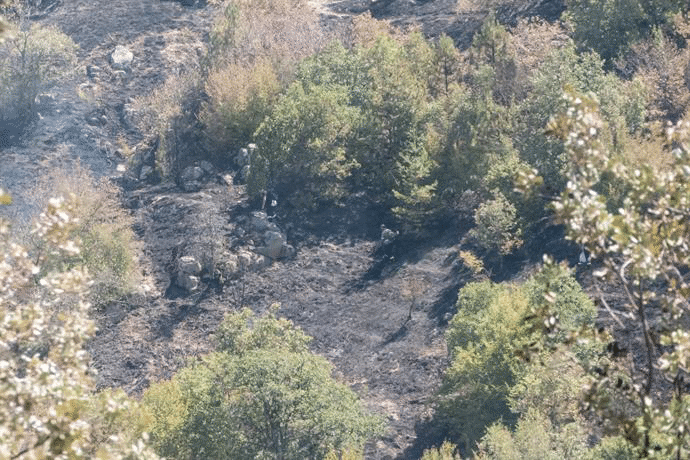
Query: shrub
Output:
(108,246)
(353,118)
(487,380)
(445,452)
(301,146)
(262,394)
(240,96)
(496,226)
(169,113)
(254,49)
(31,61)
(534,438)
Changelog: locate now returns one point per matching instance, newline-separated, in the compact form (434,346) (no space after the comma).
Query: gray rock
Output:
(188,265)
(188,271)
(259,261)
(129,115)
(259,223)
(207,167)
(244,259)
(93,72)
(274,245)
(188,282)
(120,76)
(121,58)
(191,178)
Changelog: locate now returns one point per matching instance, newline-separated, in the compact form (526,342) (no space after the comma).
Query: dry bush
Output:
(365,30)
(534,39)
(166,112)
(109,249)
(282,31)
(31,61)
(254,48)
(665,70)
(239,98)
(647,148)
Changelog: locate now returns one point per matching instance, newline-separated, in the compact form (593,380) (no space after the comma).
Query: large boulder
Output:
(273,245)
(260,223)
(121,58)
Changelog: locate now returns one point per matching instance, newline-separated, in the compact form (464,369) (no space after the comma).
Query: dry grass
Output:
(256,46)
(665,70)
(109,248)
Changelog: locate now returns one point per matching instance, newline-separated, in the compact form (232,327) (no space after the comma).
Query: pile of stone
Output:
(254,244)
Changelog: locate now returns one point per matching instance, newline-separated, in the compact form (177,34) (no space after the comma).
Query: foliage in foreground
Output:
(48,409)
(642,245)
(262,394)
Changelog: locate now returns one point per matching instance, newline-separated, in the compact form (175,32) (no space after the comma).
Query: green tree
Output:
(486,380)
(262,394)
(608,27)
(623,105)
(48,408)
(642,244)
(496,226)
(301,145)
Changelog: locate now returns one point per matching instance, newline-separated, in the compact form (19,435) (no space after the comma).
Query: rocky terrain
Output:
(379,318)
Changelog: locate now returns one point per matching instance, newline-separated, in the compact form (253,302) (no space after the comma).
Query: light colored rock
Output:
(242,158)
(274,245)
(146,172)
(259,261)
(231,264)
(188,265)
(121,58)
(259,223)
(245,259)
(227,180)
(188,271)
